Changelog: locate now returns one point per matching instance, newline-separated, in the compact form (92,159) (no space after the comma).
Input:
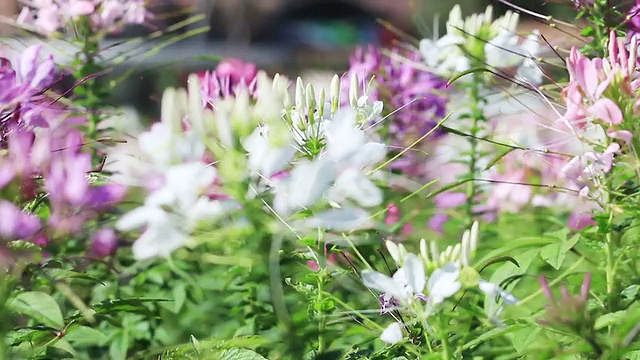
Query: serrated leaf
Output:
(238,354)
(38,306)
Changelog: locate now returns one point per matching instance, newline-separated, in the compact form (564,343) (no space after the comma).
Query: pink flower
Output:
(80,8)
(449,200)
(225,81)
(579,220)
(607,111)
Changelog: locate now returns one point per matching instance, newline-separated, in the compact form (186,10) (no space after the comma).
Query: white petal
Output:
(354,185)
(308,182)
(493,290)
(384,284)
(369,154)
(414,272)
(392,334)
(443,282)
(344,219)
(393,250)
(141,216)
(158,241)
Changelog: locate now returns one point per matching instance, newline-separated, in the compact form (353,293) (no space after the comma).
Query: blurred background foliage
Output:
(308,37)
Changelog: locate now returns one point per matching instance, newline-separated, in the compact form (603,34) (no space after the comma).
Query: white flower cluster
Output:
(422,282)
(177,201)
(501,47)
(257,141)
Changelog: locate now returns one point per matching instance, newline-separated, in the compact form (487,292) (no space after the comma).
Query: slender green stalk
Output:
(609,248)
(476,118)
(444,338)
(89,92)
(322,320)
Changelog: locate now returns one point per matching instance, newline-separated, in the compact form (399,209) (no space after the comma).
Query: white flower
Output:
(392,334)
(407,282)
(343,220)
(530,70)
(173,211)
(493,291)
(304,188)
(443,283)
(265,158)
(503,51)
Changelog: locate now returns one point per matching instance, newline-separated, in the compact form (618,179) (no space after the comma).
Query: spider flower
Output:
(225,81)
(417,96)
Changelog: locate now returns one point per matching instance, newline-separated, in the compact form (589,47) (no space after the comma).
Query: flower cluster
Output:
(479,40)
(44,159)
(415,96)
(602,103)
(23,83)
(423,282)
(50,16)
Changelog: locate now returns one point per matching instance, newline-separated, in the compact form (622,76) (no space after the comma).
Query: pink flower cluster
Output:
(49,16)
(225,81)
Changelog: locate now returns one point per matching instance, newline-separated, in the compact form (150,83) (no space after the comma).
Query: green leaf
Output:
(588,31)
(488,335)
(64,345)
(509,247)
(179,296)
(38,306)
(238,354)
(86,336)
(553,255)
(523,338)
(119,346)
(609,319)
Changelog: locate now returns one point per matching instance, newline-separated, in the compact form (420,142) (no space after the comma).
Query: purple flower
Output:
(16,224)
(22,84)
(415,93)
(105,242)
(634,18)
(73,200)
(387,303)
(580,220)
(450,200)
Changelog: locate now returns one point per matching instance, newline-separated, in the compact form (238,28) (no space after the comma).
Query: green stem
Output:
(444,338)
(88,93)
(609,248)
(476,117)
(321,320)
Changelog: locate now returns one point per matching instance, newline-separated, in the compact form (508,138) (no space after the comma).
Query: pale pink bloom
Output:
(607,111)
(449,200)
(579,220)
